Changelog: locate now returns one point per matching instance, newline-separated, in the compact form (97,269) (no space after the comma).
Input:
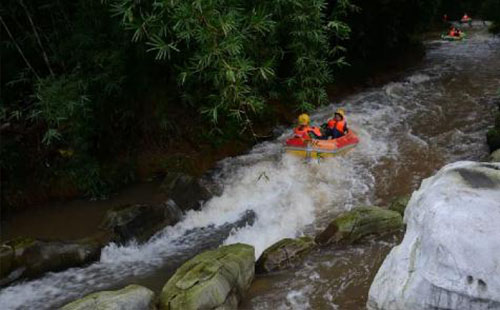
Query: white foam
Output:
(298,299)
(418,78)
(287,196)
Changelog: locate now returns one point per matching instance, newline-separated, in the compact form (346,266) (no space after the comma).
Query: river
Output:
(437,113)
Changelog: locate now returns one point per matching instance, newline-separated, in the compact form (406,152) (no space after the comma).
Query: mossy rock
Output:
(12,258)
(132,297)
(27,257)
(495,157)
(284,254)
(20,244)
(358,223)
(6,260)
(216,279)
(493,139)
(399,204)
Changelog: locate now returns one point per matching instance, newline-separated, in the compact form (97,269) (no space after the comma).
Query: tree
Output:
(230,56)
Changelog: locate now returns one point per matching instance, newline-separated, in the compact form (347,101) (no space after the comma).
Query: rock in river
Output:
(132,297)
(283,254)
(26,257)
(495,156)
(399,204)
(358,223)
(187,191)
(140,221)
(450,255)
(216,279)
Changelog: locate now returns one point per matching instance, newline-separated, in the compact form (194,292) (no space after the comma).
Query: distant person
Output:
(304,131)
(445,19)
(337,126)
(466,19)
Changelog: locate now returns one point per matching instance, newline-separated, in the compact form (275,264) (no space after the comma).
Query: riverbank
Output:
(409,128)
(183,154)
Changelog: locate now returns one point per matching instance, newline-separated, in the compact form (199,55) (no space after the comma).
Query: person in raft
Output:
(336,127)
(454,32)
(304,131)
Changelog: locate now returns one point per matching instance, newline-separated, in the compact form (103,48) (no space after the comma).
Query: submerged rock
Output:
(495,157)
(284,254)
(132,297)
(187,191)
(216,279)
(140,221)
(358,223)
(399,204)
(26,257)
(449,257)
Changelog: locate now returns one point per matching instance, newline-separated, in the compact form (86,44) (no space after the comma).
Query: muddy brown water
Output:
(75,219)
(436,113)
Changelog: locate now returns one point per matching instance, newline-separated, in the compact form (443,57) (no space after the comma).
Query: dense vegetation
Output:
(86,84)
(490,10)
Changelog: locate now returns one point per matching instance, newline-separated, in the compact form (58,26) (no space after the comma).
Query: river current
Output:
(436,114)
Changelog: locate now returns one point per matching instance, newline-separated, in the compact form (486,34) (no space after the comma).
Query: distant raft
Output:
(321,148)
(453,38)
(466,20)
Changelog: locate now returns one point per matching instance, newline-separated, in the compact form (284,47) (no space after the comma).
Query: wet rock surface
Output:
(216,279)
(140,221)
(448,258)
(26,257)
(284,254)
(188,192)
(358,223)
(495,157)
(132,297)
(399,204)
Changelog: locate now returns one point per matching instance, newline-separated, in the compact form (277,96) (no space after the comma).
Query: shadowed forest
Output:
(98,94)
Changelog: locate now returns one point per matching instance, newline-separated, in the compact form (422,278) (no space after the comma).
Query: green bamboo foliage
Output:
(230,55)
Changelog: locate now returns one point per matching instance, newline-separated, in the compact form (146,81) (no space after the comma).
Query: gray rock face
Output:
(187,191)
(284,254)
(132,297)
(495,157)
(450,255)
(216,279)
(26,257)
(140,221)
(358,223)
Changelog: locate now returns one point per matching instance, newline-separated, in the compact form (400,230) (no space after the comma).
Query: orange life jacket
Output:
(339,125)
(303,132)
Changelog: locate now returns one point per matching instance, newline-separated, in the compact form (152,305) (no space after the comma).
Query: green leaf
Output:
(50,136)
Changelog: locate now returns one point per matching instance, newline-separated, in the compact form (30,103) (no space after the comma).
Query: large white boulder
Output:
(450,255)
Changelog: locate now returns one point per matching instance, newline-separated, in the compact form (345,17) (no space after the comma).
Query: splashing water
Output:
(407,129)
